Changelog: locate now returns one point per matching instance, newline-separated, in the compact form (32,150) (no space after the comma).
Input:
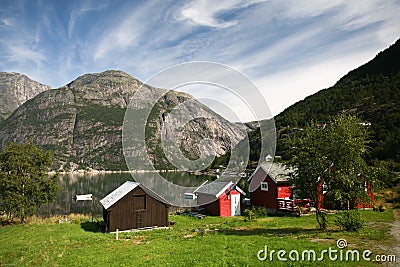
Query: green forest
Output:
(371,92)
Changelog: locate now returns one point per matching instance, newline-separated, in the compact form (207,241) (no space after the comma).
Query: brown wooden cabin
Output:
(134,206)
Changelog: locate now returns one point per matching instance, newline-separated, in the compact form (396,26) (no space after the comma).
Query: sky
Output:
(289,49)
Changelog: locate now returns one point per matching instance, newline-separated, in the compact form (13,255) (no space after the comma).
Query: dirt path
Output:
(395,232)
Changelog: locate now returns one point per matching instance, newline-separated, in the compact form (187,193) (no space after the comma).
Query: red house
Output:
(360,204)
(270,187)
(219,198)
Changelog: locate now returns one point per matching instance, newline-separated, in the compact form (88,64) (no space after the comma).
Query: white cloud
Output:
(7,22)
(270,54)
(295,47)
(205,12)
(78,13)
(21,54)
(288,87)
(306,8)
(119,38)
(125,30)
(123,36)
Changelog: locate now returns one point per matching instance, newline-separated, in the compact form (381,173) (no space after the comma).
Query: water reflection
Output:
(100,184)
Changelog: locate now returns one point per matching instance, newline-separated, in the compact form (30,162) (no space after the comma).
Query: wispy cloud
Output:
(208,12)
(79,12)
(21,54)
(273,42)
(6,22)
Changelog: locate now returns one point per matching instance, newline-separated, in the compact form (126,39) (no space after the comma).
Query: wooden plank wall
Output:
(123,214)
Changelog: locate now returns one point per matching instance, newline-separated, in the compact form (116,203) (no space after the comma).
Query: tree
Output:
(330,157)
(24,180)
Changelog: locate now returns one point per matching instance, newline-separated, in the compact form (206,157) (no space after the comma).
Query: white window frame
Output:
(264,186)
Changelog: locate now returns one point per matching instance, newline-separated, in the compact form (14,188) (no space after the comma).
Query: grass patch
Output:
(213,241)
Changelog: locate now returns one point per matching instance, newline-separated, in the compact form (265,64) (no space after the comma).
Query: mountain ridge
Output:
(16,89)
(371,91)
(82,122)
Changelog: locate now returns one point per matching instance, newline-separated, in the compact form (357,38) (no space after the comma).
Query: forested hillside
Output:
(372,92)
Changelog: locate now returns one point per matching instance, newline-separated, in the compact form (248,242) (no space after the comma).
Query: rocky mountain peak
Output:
(108,88)
(82,122)
(16,89)
(104,80)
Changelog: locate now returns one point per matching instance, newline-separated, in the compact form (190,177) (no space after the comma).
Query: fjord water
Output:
(100,184)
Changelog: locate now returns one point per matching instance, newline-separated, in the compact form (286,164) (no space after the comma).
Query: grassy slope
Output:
(191,242)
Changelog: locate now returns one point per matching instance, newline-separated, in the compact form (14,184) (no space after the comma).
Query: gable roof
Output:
(124,189)
(216,188)
(279,173)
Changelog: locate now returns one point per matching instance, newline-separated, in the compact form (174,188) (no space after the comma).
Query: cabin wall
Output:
(209,203)
(218,207)
(124,214)
(225,205)
(284,191)
(265,198)
(212,208)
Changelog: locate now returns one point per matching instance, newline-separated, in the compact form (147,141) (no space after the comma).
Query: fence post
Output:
(116,236)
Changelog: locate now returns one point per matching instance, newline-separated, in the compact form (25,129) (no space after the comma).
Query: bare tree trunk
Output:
(321,219)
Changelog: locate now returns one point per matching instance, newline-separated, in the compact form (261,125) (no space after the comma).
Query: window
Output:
(139,203)
(264,186)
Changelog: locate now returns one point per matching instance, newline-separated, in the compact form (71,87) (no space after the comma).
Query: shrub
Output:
(260,212)
(349,221)
(249,215)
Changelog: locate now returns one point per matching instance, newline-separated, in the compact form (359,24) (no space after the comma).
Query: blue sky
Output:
(290,49)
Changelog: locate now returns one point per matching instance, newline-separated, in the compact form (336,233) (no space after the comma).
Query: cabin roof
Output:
(124,189)
(278,172)
(216,188)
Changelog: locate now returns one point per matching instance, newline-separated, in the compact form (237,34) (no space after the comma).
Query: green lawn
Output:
(212,241)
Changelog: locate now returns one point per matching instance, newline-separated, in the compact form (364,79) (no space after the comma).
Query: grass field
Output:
(212,241)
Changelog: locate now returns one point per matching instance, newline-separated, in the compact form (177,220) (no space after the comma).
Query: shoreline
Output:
(106,171)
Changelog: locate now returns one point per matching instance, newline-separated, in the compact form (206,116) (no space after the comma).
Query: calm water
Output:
(100,185)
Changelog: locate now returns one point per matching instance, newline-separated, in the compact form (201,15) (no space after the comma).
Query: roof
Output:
(216,188)
(278,172)
(124,189)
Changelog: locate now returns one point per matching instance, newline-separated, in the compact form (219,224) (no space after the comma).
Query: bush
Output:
(249,215)
(260,212)
(349,221)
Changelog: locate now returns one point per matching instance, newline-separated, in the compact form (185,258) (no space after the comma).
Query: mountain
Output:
(16,89)
(371,91)
(82,123)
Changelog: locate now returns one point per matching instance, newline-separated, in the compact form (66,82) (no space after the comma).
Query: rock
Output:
(82,123)
(16,89)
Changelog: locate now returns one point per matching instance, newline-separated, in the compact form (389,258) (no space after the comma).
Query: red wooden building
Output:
(133,206)
(367,202)
(270,187)
(220,198)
